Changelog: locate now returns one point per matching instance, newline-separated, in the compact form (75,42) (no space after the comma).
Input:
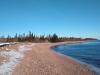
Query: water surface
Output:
(87,52)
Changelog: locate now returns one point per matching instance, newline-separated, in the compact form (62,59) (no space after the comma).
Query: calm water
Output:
(88,52)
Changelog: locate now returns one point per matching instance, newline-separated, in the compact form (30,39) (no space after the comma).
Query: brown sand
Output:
(42,61)
(3,60)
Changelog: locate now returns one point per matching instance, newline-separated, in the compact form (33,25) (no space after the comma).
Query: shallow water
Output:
(88,52)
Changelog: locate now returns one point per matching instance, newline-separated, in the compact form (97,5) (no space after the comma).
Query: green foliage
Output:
(54,38)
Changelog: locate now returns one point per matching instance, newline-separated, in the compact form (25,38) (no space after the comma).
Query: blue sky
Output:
(79,18)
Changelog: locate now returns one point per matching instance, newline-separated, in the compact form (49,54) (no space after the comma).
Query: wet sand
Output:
(40,60)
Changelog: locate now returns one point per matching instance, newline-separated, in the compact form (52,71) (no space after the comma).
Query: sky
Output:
(78,18)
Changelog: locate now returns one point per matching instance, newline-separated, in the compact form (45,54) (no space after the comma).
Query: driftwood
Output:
(2,45)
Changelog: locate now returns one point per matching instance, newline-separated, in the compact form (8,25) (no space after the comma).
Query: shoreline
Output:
(83,64)
(42,61)
(88,66)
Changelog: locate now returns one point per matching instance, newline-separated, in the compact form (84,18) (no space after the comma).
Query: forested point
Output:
(30,37)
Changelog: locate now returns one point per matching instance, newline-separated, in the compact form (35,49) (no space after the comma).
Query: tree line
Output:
(30,37)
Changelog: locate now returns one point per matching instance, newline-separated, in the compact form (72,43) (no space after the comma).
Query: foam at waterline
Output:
(14,57)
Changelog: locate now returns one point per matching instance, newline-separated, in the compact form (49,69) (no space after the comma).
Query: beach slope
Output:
(40,60)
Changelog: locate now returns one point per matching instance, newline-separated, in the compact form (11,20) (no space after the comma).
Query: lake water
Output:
(87,52)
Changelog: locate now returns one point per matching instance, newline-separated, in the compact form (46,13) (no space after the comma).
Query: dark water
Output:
(88,52)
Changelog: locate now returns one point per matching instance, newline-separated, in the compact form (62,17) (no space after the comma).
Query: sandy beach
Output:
(40,60)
